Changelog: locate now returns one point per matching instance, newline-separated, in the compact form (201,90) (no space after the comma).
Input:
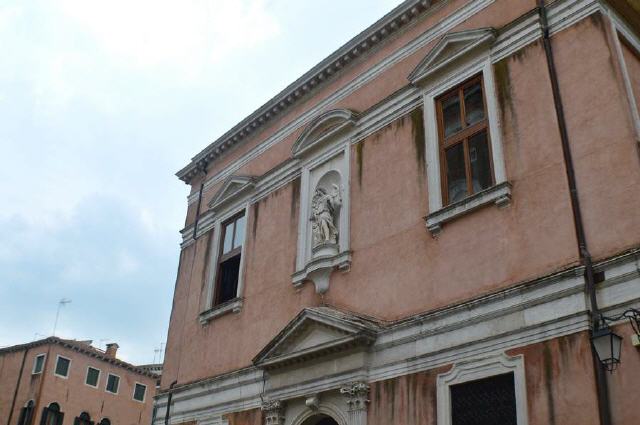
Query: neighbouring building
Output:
(57,381)
(429,227)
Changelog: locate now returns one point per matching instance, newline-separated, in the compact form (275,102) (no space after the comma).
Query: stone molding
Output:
(528,313)
(481,368)
(452,47)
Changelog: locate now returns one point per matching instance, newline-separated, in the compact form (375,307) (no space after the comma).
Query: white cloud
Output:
(180,35)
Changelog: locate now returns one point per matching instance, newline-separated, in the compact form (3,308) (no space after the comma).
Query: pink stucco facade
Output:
(398,270)
(22,384)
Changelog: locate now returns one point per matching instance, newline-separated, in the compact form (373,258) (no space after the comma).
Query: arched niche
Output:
(323,234)
(326,206)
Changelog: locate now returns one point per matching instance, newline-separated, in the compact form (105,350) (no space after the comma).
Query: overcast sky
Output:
(101,102)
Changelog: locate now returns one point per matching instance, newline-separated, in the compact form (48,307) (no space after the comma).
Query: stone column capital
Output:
(357,394)
(273,412)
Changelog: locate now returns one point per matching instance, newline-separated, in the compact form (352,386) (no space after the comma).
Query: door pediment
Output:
(314,333)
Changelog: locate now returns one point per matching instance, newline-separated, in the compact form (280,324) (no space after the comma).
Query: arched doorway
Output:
(320,419)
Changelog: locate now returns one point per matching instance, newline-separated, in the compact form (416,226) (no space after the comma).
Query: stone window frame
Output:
(106,384)
(35,362)
(500,192)
(55,369)
(87,377)
(211,311)
(473,370)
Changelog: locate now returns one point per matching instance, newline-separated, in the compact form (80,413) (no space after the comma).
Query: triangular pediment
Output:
(316,332)
(323,128)
(452,47)
(232,188)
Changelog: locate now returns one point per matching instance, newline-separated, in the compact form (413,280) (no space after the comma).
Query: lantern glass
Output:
(608,346)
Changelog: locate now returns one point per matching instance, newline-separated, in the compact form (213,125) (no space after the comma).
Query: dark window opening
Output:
(83,419)
(38,364)
(490,401)
(139,392)
(465,149)
(62,366)
(105,421)
(92,377)
(112,384)
(229,259)
(52,415)
(26,414)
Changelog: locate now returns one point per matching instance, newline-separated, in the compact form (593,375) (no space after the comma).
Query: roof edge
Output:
(399,17)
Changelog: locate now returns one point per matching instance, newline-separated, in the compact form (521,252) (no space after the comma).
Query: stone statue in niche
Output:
(324,211)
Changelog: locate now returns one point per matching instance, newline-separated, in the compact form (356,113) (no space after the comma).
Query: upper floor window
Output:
(38,364)
(228,275)
(105,421)
(139,392)
(113,382)
(62,367)
(465,151)
(93,375)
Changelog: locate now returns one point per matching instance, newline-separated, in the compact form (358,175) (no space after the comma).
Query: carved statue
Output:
(324,209)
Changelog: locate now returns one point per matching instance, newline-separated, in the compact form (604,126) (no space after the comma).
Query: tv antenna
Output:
(61,303)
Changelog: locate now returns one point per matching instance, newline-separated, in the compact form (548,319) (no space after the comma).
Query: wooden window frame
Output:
(463,135)
(222,257)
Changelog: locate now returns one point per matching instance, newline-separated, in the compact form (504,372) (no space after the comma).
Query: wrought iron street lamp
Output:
(608,344)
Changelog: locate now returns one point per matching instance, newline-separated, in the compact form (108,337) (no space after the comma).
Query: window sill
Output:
(499,195)
(231,306)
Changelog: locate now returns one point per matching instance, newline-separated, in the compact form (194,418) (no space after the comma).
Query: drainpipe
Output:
(585,256)
(15,392)
(168,411)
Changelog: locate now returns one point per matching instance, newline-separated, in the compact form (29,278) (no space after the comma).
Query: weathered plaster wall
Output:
(9,373)
(410,400)
(559,380)
(398,268)
(248,417)
(623,383)
(75,397)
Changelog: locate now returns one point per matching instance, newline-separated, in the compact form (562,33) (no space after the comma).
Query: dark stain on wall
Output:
(360,160)
(208,242)
(295,198)
(503,85)
(547,364)
(419,138)
(248,417)
(256,215)
(409,400)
